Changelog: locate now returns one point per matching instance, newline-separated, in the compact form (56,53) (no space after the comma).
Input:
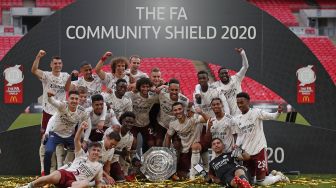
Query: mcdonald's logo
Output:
(306,99)
(13,99)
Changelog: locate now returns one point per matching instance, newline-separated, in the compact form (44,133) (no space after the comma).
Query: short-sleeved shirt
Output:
(110,80)
(230,91)
(119,106)
(57,85)
(105,155)
(138,75)
(207,97)
(94,87)
(224,129)
(142,106)
(83,168)
(189,131)
(124,143)
(165,115)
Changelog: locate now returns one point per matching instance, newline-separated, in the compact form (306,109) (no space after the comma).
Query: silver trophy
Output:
(158,163)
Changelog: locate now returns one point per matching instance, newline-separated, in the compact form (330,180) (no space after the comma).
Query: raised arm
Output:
(57,104)
(68,82)
(77,141)
(88,130)
(245,65)
(225,103)
(204,117)
(34,69)
(100,64)
(270,116)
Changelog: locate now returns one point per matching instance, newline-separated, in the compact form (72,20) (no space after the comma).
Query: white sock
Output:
(59,155)
(269,180)
(205,160)
(195,158)
(254,180)
(42,153)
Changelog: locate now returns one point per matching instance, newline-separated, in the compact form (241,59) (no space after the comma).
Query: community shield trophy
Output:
(158,163)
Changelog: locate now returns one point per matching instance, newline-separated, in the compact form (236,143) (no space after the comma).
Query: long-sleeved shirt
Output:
(64,122)
(251,136)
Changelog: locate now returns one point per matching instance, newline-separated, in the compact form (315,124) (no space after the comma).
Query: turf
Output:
(26,120)
(302,181)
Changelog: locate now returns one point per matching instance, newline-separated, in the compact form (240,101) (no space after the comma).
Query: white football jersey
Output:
(224,129)
(125,142)
(110,80)
(231,89)
(94,87)
(119,106)
(142,106)
(250,130)
(107,116)
(86,104)
(64,122)
(138,75)
(207,97)
(189,131)
(166,115)
(105,155)
(83,168)
(56,84)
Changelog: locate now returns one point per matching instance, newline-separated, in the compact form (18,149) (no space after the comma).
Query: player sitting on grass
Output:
(224,168)
(84,168)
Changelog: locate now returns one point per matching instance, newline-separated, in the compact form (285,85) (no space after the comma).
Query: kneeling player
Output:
(122,154)
(226,168)
(189,131)
(84,168)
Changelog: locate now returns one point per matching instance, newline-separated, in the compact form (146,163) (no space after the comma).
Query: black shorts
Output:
(228,177)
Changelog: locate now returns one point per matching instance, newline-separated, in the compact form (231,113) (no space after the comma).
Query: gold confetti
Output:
(317,181)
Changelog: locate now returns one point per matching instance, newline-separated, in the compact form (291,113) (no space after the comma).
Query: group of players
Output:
(89,134)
